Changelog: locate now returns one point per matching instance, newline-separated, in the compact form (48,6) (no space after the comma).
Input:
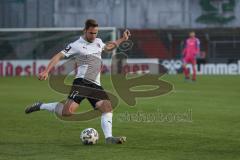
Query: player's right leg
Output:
(185,69)
(66,108)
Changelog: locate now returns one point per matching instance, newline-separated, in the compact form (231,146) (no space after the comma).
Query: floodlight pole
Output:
(38,14)
(125,14)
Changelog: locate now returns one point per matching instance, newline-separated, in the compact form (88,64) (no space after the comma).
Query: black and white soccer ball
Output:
(89,136)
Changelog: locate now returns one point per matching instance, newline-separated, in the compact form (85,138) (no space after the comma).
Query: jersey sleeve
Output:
(69,50)
(102,45)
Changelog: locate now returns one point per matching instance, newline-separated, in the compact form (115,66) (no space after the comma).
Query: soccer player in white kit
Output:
(87,49)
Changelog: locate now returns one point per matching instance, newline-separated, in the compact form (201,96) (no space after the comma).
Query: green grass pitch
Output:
(212,132)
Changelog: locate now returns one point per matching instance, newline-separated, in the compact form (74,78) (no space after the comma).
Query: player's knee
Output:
(67,111)
(104,106)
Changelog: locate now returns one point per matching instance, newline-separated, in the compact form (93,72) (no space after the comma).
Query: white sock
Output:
(56,107)
(106,123)
(59,109)
(49,106)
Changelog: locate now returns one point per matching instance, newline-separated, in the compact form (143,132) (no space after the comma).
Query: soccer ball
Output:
(89,136)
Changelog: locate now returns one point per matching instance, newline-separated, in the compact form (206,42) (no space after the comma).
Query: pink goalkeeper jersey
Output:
(192,47)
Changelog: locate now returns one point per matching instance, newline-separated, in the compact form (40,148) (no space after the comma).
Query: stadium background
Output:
(158,29)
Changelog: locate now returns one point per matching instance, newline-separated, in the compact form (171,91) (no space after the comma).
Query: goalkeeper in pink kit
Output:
(190,51)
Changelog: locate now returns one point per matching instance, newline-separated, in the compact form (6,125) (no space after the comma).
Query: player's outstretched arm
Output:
(112,45)
(55,59)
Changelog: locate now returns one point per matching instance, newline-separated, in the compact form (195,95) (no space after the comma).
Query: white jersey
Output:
(88,58)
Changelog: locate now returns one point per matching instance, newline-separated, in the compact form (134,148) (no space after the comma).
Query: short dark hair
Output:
(90,23)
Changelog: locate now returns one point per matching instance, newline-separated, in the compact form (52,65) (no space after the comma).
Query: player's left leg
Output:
(105,107)
(100,101)
(194,76)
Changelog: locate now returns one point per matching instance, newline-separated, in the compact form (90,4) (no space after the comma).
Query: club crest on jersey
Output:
(99,46)
(67,48)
